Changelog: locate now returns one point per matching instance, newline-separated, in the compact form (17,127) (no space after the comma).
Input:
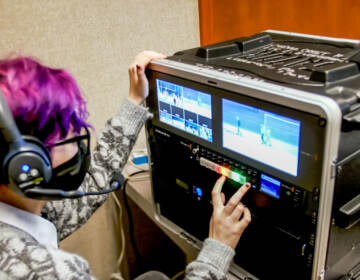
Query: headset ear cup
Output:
(28,165)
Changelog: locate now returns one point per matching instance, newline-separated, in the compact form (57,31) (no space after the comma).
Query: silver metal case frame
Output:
(321,106)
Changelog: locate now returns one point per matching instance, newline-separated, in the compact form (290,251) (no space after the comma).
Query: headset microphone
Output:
(116,182)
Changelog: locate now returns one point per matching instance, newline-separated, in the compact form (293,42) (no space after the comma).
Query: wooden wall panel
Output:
(227,19)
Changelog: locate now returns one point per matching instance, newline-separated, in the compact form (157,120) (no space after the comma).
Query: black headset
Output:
(26,165)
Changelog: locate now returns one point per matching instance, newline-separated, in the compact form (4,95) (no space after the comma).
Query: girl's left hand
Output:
(139,85)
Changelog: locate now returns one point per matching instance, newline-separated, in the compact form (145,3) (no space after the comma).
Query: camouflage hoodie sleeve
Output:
(110,154)
(212,263)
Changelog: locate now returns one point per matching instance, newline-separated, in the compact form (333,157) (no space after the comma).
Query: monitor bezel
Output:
(311,136)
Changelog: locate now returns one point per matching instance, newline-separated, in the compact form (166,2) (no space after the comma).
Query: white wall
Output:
(96,40)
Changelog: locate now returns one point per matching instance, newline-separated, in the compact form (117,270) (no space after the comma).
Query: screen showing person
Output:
(267,137)
(185,108)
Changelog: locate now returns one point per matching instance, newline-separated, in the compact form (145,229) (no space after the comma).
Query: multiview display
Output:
(185,108)
(266,137)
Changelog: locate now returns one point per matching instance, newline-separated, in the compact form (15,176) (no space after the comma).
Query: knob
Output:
(195,150)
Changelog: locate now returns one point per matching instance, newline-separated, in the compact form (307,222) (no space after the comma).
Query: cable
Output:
(133,174)
(177,275)
(140,178)
(122,234)
(117,274)
(138,256)
(138,167)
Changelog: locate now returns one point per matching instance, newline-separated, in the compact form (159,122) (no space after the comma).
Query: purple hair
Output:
(45,102)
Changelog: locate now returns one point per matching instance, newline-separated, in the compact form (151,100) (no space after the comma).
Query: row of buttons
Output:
(237,177)
(29,175)
(251,174)
(222,165)
(227,162)
(217,158)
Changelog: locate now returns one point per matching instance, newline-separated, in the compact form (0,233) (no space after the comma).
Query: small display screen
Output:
(267,137)
(270,186)
(185,108)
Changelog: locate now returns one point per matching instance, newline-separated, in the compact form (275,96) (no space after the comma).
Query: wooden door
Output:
(227,19)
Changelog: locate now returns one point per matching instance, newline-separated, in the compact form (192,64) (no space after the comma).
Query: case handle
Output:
(350,213)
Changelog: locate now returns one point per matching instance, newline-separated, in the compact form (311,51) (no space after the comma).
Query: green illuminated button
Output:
(243,179)
(235,176)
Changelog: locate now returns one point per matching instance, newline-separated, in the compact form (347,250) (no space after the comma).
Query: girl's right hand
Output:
(229,220)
